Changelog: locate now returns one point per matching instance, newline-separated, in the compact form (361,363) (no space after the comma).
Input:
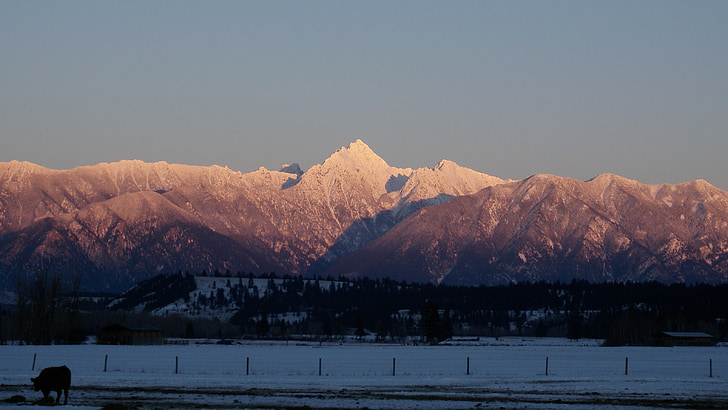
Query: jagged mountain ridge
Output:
(354,214)
(123,222)
(553,228)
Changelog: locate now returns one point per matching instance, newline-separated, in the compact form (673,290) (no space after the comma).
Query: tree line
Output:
(383,309)
(47,309)
(619,313)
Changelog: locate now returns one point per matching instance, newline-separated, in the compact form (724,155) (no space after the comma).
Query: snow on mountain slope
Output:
(29,193)
(14,172)
(285,220)
(446,178)
(121,241)
(362,197)
(552,228)
(125,220)
(360,163)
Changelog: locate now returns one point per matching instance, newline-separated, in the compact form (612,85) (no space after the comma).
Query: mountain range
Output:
(116,224)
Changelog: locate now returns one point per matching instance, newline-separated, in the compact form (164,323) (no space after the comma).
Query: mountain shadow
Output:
(364,231)
(396,182)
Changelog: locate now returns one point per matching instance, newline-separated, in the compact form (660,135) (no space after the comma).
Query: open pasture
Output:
(505,373)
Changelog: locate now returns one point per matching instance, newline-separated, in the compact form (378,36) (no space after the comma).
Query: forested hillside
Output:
(270,307)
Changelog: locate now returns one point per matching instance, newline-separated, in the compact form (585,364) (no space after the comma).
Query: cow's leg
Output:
(65,399)
(58,399)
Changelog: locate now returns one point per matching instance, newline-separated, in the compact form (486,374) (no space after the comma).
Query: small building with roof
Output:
(123,334)
(686,339)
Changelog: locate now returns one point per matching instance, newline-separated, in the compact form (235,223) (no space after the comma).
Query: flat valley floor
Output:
(506,373)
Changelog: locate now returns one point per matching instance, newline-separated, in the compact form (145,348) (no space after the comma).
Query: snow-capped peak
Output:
(357,162)
(448,178)
(20,169)
(356,156)
(446,164)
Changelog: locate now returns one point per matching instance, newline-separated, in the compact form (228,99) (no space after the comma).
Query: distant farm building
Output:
(130,335)
(686,339)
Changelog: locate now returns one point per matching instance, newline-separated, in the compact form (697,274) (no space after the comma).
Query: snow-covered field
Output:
(504,373)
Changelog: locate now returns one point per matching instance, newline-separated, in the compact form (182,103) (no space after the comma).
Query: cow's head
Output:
(35,383)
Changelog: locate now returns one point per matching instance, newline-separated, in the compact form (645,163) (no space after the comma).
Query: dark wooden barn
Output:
(130,335)
(686,339)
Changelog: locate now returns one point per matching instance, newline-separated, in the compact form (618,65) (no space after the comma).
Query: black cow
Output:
(55,379)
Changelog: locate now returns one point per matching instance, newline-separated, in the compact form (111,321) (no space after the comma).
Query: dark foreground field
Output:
(513,373)
(540,396)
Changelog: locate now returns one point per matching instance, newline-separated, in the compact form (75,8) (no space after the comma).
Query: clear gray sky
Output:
(509,88)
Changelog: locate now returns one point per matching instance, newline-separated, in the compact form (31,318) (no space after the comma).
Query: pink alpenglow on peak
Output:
(354,214)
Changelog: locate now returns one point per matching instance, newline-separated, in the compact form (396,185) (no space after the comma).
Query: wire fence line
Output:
(369,361)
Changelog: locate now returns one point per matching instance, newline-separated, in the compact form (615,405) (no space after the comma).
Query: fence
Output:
(246,362)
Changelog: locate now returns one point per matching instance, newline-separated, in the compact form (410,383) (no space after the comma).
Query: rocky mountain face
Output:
(116,224)
(551,228)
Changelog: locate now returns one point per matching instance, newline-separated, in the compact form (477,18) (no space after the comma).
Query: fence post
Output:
(626,366)
(319,366)
(176,364)
(34,355)
(467,366)
(710,366)
(247,366)
(106,360)
(547,366)
(394,361)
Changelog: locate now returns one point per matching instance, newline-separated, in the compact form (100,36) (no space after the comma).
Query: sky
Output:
(508,88)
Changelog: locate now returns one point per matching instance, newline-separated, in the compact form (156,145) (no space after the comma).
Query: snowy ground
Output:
(505,373)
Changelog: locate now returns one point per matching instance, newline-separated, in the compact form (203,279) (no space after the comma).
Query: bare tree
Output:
(37,300)
(22,315)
